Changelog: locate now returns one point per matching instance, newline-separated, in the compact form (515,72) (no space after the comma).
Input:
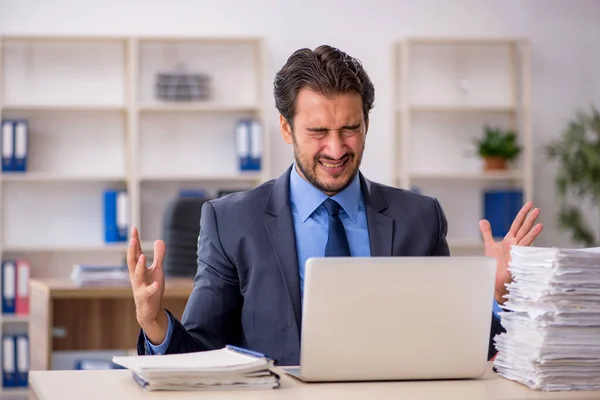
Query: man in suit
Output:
(252,245)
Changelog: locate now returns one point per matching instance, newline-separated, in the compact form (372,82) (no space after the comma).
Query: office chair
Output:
(181,227)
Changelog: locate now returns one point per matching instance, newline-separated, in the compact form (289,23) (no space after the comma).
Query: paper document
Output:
(226,368)
(552,319)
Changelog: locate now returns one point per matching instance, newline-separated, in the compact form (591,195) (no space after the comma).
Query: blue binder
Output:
(256,136)
(21,145)
(22,359)
(9,286)
(115,216)
(93,364)
(9,364)
(501,208)
(248,140)
(7,146)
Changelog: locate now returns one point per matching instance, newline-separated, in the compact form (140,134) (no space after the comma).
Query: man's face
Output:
(328,138)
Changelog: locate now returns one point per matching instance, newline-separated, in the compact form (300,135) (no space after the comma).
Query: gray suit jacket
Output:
(247,288)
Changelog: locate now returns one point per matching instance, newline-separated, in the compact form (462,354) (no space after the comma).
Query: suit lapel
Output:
(380,226)
(280,229)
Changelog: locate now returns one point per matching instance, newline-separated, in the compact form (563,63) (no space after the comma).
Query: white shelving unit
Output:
(95,124)
(446,91)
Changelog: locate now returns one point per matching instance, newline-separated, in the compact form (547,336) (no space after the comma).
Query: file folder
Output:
(21,145)
(500,209)
(242,140)
(22,359)
(256,135)
(22,302)
(8,286)
(249,144)
(9,376)
(116,215)
(93,364)
(7,145)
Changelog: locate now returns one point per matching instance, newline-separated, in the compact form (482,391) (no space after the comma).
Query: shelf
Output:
(462,109)
(483,176)
(224,40)
(62,108)
(7,392)
(4,318)
(199,107)
(62,38)
(56,177)
(465,244)
(117,247)
(463,41)
(242,177)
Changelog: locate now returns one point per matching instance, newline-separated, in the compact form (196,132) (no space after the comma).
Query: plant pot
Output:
(495,163)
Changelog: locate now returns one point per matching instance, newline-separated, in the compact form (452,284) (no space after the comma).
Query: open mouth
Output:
(334,166)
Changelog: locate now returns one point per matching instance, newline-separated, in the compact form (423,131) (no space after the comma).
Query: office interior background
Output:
(157,105)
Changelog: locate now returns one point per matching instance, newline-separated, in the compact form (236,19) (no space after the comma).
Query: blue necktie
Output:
(337,242)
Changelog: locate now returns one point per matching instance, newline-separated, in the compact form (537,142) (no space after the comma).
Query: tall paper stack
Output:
(552,339)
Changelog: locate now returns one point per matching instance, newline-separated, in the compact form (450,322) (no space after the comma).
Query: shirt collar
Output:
(308,198)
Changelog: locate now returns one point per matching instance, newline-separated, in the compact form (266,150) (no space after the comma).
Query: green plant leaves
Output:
(498,143)
(578,177)
(569,218)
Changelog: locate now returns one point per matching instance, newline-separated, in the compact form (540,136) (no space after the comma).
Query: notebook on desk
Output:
(224,369)
(394,318)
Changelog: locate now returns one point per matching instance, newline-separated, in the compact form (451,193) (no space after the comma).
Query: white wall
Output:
(564,36)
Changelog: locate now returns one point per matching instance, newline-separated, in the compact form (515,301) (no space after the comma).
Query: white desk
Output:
(118,384)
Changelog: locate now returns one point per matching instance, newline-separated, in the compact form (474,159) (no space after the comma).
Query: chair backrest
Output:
(181,227)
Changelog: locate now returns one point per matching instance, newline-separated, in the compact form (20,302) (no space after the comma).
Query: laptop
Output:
(395,318)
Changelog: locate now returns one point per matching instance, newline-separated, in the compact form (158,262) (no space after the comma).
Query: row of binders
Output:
(15,360)
(15,287)
(14,144)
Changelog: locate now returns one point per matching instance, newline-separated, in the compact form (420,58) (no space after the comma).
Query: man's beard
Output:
(311,176)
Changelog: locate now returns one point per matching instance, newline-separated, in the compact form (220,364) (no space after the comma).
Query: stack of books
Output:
(223,369)
(552,319)
(100,275)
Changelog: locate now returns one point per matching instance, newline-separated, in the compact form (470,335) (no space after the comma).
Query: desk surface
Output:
(118,384)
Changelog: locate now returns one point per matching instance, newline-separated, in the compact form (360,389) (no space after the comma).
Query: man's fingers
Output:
(140,271)
(150,290)
(132,256)
(159,254)
(529,222)
(518,222)
(532,235)
(486,230)
(136,235)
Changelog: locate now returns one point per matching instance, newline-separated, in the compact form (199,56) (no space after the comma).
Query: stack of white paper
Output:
(552,339)
(100,275)
(209,370)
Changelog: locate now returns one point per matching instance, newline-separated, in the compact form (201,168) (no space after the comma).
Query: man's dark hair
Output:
(327,71)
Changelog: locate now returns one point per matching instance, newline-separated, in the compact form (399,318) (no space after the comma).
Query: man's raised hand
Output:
(148,285)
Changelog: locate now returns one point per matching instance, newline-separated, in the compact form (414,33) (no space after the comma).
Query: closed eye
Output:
(318,130)
(352,128)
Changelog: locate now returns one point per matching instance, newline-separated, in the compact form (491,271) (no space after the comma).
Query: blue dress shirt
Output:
(311,222)
(311,227)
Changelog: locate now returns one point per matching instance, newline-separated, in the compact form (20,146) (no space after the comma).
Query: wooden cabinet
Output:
(66,317)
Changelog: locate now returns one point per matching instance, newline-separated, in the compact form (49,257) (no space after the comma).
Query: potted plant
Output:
(498,147)
(578,176)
